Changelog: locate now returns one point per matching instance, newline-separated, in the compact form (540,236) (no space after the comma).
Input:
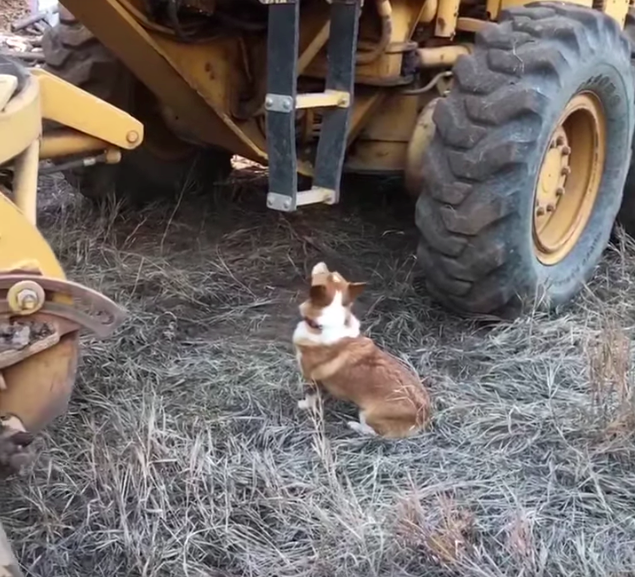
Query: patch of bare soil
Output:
(10,11)
(184,453)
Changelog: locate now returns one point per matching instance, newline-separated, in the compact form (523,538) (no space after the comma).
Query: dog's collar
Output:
(312,324)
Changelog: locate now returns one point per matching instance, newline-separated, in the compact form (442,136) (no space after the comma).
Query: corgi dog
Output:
(334,356)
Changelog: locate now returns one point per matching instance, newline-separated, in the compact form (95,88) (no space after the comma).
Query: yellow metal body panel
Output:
(75,108)
(20,119)
(68,142)
(194,80)
(617,9)
(18,238)
(25,181)
(447,15)
(382,144)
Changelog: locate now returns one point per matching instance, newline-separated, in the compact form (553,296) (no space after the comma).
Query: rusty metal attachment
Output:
(105,319)
(39,346)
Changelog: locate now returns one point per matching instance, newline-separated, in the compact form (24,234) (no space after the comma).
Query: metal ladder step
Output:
(282,101)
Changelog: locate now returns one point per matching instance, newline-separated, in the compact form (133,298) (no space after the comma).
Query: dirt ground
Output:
(183,452)
(10,11)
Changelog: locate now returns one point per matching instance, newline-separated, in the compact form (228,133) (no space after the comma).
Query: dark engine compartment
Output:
(198,20)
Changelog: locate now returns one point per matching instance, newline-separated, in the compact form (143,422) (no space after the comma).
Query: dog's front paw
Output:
(308,403)
(362,428)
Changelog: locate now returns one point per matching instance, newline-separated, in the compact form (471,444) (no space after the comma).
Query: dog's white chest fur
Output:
(336,323)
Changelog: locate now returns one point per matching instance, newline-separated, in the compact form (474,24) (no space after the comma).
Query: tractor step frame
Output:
(282,102)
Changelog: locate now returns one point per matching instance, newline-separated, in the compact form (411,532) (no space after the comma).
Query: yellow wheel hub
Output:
(569,178)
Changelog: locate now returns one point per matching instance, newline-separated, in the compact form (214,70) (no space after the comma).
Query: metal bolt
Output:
(27,299)
(287,204)
(566,150)
(286,105)
(540,211)
(559,192)
(566,171)
(550,208)
(132,136)
(269,202)
(268,102)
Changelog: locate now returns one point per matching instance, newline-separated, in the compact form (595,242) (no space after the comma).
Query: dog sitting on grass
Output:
(333,355)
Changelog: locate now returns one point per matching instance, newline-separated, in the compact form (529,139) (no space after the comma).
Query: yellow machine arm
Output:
(42,313)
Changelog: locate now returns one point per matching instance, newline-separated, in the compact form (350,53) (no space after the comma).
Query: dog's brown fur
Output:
(391,398)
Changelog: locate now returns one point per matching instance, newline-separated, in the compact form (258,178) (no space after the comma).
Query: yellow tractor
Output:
(41,312)
(512,122)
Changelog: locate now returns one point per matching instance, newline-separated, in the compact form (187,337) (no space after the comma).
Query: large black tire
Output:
(145,173)
(626,216)
(475,212)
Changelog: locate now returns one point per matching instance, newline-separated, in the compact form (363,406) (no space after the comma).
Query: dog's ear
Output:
(354,290)
(320,268)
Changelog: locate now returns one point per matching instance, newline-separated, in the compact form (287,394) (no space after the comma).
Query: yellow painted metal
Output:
(429,12)
(472,25)
(419,141)
(22,247)
(38,389)
(329,98)
(8,86)
(197,80)
(68,142)
(492,9)
(377,157)
(21,119)
(25,168)
(569,179)
(617,9)
(447,16)
(383,141)
(75,108)
(442,56)
(367,102)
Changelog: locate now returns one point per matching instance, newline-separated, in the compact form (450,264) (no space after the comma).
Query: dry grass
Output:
(184,454)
